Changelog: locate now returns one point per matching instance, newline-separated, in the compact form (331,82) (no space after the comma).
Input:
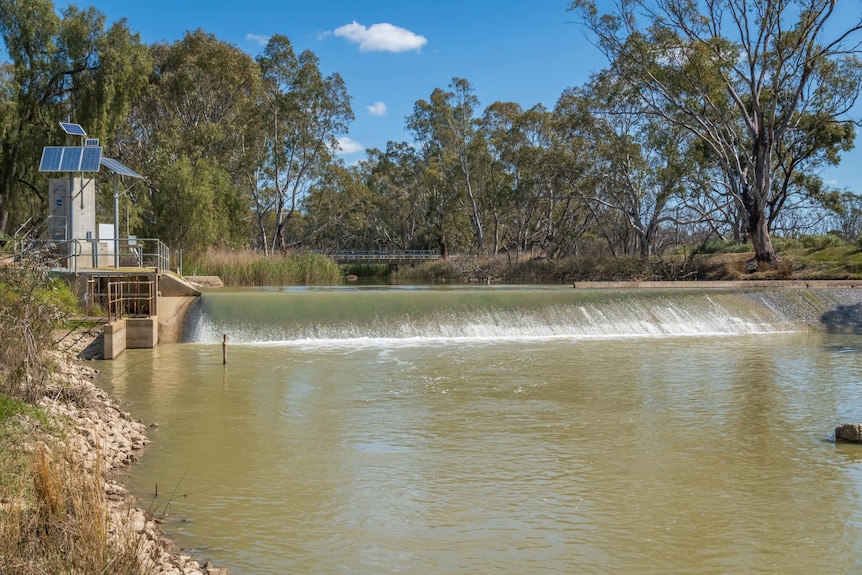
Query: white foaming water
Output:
(451,324)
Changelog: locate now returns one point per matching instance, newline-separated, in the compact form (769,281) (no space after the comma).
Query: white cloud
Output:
(258,39)
(349,146)
(377,109)
(383,37)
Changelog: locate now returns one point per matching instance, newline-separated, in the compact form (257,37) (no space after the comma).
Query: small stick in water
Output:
(224,350)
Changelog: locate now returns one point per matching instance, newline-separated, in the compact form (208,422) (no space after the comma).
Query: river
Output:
(456,430)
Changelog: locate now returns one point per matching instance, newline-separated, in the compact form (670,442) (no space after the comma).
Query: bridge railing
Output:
(382,256)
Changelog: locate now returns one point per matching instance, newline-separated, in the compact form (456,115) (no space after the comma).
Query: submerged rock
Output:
(849,432)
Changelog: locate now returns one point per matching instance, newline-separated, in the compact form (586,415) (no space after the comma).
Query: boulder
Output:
(849,432)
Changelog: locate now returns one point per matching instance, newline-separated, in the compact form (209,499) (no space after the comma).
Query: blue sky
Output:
(392,53)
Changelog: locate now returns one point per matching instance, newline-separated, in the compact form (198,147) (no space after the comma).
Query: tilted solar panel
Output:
(70,159)
(119,168)
(73,129)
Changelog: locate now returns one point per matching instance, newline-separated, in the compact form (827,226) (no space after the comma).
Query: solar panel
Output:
(91,142)
(73,129)
(90,158)
(119,168)
(71,161)
(51,157)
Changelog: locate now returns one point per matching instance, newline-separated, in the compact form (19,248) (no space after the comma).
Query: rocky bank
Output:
(107,438)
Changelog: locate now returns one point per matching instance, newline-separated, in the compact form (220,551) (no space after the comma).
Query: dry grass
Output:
(56,519)
(248,268)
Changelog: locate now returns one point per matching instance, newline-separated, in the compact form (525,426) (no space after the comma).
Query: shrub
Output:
(821,242)
(32,307)
(723,246)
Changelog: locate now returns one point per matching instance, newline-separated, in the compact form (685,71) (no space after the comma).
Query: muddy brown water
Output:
(436,430)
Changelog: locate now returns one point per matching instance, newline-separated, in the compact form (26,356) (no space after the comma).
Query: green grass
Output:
(10,407)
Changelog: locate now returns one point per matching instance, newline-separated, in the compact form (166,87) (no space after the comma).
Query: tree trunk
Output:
(755,200)
(443,246)
(758,229)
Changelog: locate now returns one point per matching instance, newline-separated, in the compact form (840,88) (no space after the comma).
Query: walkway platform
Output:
(395,257)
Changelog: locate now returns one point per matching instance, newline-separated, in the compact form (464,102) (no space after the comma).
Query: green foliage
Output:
(439,271)
(776,108)
(59,68)
(11,407)
(32,307)
(304,112)
(722,246)
(822,242)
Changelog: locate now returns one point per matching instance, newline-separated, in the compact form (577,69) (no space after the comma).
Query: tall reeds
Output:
(247,268)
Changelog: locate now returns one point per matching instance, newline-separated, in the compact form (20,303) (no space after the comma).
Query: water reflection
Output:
(687,455)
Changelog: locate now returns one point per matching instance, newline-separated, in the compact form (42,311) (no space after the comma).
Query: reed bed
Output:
(247,268)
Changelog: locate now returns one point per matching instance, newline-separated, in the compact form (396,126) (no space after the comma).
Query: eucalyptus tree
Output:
(640,162)
(400,206)
(337,210)
(444,126)
(554,163)
(304,113)
(846,216)
(740,76)
(529,194)
(187,135)
(61,68)
(498,125)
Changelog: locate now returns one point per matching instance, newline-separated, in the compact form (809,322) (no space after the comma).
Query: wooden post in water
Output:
(224,350)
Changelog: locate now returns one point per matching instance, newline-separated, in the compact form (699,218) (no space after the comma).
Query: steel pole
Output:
(116,223)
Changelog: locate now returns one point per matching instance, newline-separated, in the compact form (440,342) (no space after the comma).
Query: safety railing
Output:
(47,253)
(129,252)
(130,298)
(383,256)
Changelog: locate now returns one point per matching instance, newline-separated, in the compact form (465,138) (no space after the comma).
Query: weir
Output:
(406,315)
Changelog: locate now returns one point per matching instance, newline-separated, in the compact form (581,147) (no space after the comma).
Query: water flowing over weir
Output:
(453,430)
(404,315)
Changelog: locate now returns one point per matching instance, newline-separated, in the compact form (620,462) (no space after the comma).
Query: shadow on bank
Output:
(843,319)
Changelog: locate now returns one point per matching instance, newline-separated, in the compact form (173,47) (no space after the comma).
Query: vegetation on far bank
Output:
(808,257)
(690,132)
(250,268)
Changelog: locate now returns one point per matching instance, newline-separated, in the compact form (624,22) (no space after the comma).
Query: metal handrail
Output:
(384,255)
(126,297)
(135,252)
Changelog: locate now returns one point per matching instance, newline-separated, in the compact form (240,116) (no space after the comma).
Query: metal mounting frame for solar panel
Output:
(73,129)
(120,169)
(70,159)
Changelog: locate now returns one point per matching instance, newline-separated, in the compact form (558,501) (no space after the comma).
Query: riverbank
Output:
(85,441)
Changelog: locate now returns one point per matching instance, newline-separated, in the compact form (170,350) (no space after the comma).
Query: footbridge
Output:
(388,257)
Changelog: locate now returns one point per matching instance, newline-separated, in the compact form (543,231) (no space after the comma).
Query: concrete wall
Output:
(115,339)
(142,333)
(172,317)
